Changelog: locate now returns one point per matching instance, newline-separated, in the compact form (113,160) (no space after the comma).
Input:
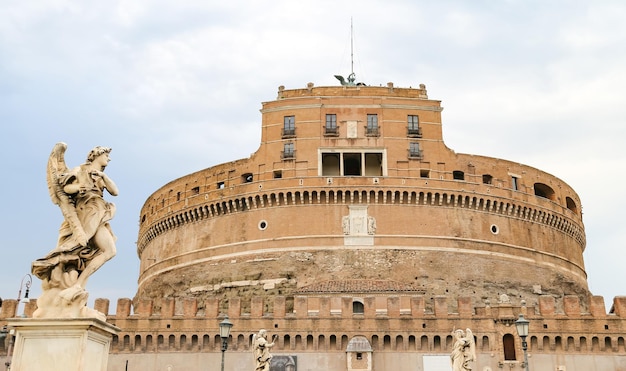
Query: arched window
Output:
(508,342)
(571,204)
(543,190)
(358,307)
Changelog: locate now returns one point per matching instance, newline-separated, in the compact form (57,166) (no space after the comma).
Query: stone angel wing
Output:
(472,344)
(56,173)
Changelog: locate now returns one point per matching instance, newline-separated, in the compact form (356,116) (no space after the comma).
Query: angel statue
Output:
(261,348)
(463,350)
(85,241)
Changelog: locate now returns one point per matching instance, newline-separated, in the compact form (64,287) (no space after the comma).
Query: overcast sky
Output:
(175,87)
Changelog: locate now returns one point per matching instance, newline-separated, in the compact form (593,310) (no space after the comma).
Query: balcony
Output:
(414,132)
(331,131)
(372,131)
(288,133)
(287,155)
(416,154)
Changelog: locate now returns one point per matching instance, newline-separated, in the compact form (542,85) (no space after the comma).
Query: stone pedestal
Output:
(75,344)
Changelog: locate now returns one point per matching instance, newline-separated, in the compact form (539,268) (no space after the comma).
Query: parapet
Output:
(389,306)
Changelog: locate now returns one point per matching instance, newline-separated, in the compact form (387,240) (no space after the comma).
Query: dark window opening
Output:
(424,173)
(543,190)
(278,174)
(514,183)
(177,196)
(195,190)
(351,164)
(358,307)
(487,179)
(247,177)
(413,129)
(508,342)
(458,175)
(220,185)
(330,164)
(571,204)
(359,356)
(373,164)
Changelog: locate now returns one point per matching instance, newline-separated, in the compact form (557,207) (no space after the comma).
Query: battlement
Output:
(383,306)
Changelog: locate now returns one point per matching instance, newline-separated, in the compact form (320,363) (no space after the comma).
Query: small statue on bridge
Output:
(463,350)
(85,241)
(261,348)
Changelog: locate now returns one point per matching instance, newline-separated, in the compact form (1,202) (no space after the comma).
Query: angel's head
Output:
(96,152)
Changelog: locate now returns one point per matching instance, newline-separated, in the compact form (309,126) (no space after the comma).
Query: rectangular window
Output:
(413,126)
(288,151)
(414,150)
(331,125)
(352,164)
(289,126)
(514,183)
(372,125)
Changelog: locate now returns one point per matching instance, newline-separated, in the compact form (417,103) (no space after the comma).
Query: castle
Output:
(359,239)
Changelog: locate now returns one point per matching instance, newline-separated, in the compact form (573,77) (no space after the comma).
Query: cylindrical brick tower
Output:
(353,190)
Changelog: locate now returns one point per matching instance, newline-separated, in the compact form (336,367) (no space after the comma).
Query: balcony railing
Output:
(372,132)
(414,132)
(415,154)
(331,131)
(288,155)
(288,133)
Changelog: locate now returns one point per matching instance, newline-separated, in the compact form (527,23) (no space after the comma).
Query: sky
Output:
(176,87)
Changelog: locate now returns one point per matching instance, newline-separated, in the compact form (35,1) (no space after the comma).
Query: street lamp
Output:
(25,300)
(522,331)
(225,326)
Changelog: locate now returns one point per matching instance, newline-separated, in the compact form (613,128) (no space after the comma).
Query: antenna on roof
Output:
(352,77)
(351,51)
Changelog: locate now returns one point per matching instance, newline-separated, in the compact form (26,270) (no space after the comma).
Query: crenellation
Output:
(418,306)
(571,305)
(123,308)
(234,307)
(619,306)
(328,306)
(547,305)
(190,307)
(280,306)
(256,306)
(211,307)
(300,306)
(144,308)
(9,308)
(464,305)
(440,306)
(102,306)
(393,306)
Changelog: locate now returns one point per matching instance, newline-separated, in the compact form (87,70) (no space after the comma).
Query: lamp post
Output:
(225,326)
(522,330)
(25,300)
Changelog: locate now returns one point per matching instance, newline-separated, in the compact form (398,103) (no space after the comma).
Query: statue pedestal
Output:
(62,344)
